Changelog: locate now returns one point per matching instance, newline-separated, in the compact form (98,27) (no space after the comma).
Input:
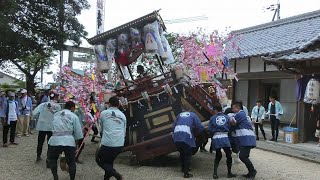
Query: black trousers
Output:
(204,139)
(53,155)
(105,158)
(41,139)
(185,155)
(274,127)
(78,146)
(219,155)
(259,125)
(12,127)
(244,157)
(234,146)
(95,131)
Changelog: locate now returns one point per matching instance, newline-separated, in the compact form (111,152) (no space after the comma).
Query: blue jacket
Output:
(25,110)
(45,99)
(258,116)
(182,128)
(3,106)
(44,113)
(66,129)
(219,123)
(5,109)
(244,132)
(279,110)
(219,127)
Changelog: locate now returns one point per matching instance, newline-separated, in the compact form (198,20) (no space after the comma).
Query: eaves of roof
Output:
(137,23)
(283,36)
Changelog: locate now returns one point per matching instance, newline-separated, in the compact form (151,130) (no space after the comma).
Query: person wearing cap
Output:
(66,130)
(44,113)
(113,123)
(184,138)
(25,108)
(11,111)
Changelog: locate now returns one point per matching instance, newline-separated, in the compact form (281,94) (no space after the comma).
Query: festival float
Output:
(152,99)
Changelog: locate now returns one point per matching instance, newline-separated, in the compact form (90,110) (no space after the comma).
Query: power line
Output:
(188,19)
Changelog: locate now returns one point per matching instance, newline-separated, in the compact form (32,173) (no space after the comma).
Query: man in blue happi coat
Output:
(219,127)
(245,138)
(184,139)
(66,130)
(45,113)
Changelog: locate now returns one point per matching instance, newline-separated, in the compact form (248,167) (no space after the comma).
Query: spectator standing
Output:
(3,104)
(25,108)
(11,111)
(257,116)
(275,113)
(317,133)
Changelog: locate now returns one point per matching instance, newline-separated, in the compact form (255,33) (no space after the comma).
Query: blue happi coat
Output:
(182,128)
(244,132)
(219,127)
(44,113)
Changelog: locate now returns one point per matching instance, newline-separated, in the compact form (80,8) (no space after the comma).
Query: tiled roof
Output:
(283,35)
(309,44)
(296,56)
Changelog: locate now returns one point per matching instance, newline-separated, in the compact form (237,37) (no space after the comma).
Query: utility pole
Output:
(276,9)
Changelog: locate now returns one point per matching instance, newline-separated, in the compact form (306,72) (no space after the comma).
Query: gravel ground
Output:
(18,163)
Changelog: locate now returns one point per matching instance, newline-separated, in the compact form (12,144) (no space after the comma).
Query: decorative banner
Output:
(146,97)
(100,16)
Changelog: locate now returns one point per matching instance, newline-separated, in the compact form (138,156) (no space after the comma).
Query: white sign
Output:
(289,138)
(100,16)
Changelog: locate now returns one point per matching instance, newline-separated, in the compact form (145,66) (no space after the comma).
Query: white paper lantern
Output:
(312,91)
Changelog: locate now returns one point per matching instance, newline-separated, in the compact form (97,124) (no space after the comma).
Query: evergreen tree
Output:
(32,29)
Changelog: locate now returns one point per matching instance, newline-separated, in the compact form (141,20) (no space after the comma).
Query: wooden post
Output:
(301,120)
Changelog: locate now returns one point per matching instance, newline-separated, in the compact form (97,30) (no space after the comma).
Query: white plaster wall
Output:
(242,66)
(271,68)
(6,79)
(256,64)
(242,91)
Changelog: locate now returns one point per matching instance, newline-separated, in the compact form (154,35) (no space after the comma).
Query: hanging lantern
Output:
(312,91)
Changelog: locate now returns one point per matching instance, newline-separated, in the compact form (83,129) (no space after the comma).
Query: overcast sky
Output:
(236,14)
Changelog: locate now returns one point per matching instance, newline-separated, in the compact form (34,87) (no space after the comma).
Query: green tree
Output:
(31,30)
(174,44)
